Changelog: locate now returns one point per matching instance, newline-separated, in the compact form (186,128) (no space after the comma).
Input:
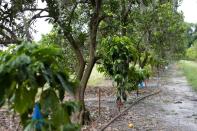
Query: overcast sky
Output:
(41,25)
(189,8)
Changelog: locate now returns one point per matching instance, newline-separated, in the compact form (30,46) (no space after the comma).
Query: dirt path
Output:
(174,109)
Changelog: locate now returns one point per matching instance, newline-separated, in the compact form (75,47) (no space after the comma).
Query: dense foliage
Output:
(155,33)
(117,53)
(118,57)
(191,52)
(33,73)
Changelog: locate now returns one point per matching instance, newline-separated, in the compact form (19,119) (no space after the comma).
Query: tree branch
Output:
(72,13)
(35,9)
(93,27)
(7,42)
(9,31)
(78,53)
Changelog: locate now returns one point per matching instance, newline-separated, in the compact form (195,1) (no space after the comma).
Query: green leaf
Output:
(71,106)
(71,127)
(24,99)
(65,84)
(50,105)
(48,100)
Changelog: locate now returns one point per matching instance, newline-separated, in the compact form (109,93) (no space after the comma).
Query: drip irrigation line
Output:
(125,110)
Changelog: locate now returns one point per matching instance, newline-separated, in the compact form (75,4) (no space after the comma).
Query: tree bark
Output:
(124,16)
(79,55)
(83,115)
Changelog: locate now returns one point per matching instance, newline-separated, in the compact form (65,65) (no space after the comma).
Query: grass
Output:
(95,77)
(189,69)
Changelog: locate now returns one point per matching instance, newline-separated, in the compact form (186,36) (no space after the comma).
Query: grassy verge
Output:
(95,77)
(189,69)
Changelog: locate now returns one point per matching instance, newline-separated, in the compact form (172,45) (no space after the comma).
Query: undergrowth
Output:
(189,69)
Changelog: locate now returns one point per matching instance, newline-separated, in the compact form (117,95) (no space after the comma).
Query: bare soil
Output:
(173,109)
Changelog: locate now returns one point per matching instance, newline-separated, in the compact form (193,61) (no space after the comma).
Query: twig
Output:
(133,103)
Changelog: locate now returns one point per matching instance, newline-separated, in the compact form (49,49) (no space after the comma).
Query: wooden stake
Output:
(99,101)
(145,82)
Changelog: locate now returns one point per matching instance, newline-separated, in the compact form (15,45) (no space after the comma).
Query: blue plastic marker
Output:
(37,116)
(141,84)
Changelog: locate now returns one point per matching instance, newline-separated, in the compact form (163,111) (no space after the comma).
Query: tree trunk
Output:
(83,116)
(93,27)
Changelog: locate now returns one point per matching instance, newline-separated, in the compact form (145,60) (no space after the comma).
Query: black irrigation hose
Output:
(133,103)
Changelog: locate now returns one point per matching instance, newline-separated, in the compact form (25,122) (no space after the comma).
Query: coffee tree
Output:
(118,58)
(32,73)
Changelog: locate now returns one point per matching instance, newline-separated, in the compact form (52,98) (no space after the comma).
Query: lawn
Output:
(189,69)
